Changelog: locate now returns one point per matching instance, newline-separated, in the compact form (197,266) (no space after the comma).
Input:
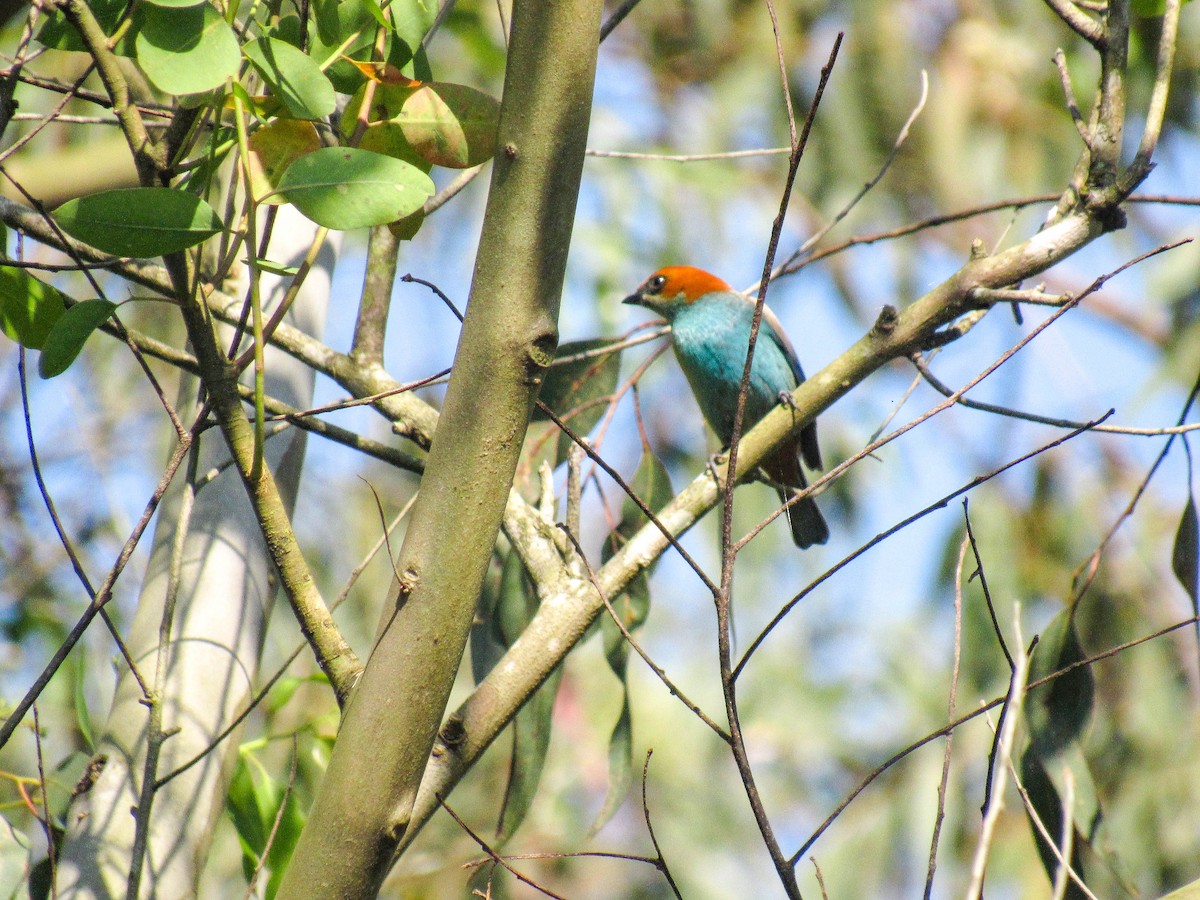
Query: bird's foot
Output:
(717,459)
(786,398)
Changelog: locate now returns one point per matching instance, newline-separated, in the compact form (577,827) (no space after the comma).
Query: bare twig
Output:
(1011,709)
(662,863)
(487,848)
(1064,75)
(47,822)
(1082,24)
(987,594)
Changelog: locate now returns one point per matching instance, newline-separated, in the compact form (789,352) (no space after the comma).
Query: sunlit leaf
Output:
(139,222)
(28,307)
(451,125)
(293,77)
(187,50)
(344,188)
(70,333)
(336,22)
(383,133)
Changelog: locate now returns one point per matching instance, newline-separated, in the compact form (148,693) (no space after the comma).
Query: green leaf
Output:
(1058,711)
(439,124)
(70,333)
(344,188)
(334,22)
(620,767)
(1186,553)
(28,307)
(506,608)
(451,125)
(140,222)
(83,718)
(531,741)
(293,77)
(578,386)
(1046,802)
(1187,892)
(187,50)
(253,802)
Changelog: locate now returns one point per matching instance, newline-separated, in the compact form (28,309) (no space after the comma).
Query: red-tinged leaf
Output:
(273,148)
(451,125)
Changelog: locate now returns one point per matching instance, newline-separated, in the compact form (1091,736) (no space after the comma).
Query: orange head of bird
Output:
(673,287)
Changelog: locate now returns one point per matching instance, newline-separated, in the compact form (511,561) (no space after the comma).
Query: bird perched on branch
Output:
(710,331)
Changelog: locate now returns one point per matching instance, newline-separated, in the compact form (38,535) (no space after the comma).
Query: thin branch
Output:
(987,594)
(872,447)
(486,848)
(662,863)
(899,526)
(1140,167)
(47,822)
(1064,76)
(691,157)
(629,492)
(616,17)
(1011,709)
(1081,578)
(942,388)
(63,538)
(103,595)
(1080,22)
(258,698)
(737,744)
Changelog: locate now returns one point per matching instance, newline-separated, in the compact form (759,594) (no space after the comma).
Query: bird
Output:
(710,334)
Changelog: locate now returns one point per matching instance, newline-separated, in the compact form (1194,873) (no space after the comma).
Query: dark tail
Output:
(808,525)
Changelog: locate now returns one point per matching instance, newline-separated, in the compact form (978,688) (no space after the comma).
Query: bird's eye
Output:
(657,282)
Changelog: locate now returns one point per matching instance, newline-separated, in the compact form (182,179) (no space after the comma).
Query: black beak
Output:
(635,299)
